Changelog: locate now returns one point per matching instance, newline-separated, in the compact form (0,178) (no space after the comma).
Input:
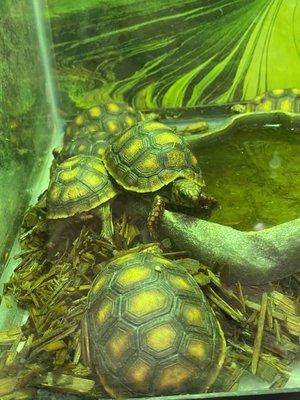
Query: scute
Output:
(94,112)
(162,337)
(148,166)
(166,138)
(132,149)
(138,374)
(151,347)
(118,344)
(77,185)
(104,311)
(171,378)
(197,349)
(149,156)
(142,305)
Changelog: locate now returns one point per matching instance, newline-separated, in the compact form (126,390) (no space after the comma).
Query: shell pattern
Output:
(150,329)
(91,145)
(287,100)
(77,185)
(112,118)
(149,156)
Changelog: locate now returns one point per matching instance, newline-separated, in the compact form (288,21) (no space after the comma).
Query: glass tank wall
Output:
(28,113)
(149,202)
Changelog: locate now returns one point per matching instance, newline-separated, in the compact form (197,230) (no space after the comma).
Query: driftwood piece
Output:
(252,258)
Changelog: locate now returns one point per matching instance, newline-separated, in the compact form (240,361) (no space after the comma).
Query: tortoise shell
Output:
(149,156)
(112,118)
(286,100)
(85,144)
(78,185)
(149,329)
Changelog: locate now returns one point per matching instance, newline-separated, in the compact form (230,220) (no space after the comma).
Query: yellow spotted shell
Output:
(77,185)
(287,100)
(112,118)
(149,156)
(149,329)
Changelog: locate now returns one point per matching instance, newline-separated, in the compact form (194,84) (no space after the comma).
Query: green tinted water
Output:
(255,176)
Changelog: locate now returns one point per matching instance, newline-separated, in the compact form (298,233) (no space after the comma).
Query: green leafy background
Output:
(174,52)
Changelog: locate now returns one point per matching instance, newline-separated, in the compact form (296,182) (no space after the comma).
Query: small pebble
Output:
(259,226)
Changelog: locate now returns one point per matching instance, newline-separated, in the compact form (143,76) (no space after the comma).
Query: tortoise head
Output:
(188,193)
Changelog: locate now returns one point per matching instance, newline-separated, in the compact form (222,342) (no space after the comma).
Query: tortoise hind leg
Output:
(156,212)
(107,229)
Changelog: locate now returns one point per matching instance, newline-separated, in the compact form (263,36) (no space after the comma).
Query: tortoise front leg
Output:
(198,126)
(107,229)
(156,212)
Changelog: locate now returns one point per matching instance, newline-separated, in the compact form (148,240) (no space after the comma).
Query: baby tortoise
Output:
(80,186)
(286,100)
(92,129)
(151,158)
(148,329)
(112,118)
